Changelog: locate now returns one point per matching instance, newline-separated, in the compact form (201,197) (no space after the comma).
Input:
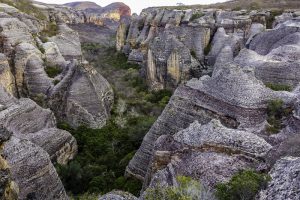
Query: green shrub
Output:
(279,87)
(207,49)
(244,185)
(276,113)
(238,8)
(55,82)
(193,53)
(53,71)
(50,30)
(103,155)
(188,189)
(270,19)
(157,96)
(196,16)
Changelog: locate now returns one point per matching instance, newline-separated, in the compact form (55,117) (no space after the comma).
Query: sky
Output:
(137,5)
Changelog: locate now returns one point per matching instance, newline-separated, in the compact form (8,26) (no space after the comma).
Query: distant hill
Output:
(255,4)
(92,7)
(247,4)
(83,5)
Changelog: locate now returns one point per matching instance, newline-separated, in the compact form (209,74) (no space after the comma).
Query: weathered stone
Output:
(7,79)
(278,61)
(68,42)
(232,95)
(68,97)
(33,171)
(284,182)
(215,134)
(209,153)
(12,33)
(118,195)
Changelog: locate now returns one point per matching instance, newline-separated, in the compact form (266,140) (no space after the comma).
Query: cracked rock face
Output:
(26,120)
(228,96)
(201,34)
(285,180)
(274,56)
(34,143)
(24,66)
(210,153)
(33,171)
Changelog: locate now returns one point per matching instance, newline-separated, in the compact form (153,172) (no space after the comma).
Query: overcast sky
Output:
(137,5)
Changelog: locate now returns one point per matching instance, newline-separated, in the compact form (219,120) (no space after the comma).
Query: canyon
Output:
(235,106)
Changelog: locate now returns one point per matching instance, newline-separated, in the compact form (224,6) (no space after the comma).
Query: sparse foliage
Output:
(242,186)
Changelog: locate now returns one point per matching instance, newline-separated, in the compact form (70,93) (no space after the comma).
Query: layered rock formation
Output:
(215,126)
(26,75)
(50,69)
(34,143)
(86,12)
(155,36)
(8,188)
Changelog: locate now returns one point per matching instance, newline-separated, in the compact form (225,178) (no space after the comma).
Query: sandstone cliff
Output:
(216,125)
(173,46)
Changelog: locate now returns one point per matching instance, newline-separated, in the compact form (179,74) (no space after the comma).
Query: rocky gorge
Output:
(67,98)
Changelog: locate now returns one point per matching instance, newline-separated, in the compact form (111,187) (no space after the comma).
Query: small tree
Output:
(242,186)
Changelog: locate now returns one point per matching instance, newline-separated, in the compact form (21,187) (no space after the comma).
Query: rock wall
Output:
(215,126)
(26,75)
(200,34)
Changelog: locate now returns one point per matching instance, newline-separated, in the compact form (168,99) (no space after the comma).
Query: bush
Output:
(188,189)
(50,30)
(103,155)
(279,87)
(157,96)
(244,185)
(276,112)
(193,53)
(52,71)
(196,16)
(207,49)
(270,19)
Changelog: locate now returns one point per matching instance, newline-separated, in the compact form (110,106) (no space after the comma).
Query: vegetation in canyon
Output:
(188,189)
(104,153)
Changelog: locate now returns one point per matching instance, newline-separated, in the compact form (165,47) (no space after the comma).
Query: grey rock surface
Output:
(118,195)
(33,171)
(276,60)
(210,153)
(232,95)
(285,180)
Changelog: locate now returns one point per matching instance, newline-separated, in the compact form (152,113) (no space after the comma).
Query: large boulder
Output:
(274,56)
(68,42)
(33,171)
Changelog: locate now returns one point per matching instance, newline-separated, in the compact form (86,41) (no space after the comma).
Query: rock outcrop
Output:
(27,60)
(285,180)
(118,195)
(274,55)
(215,126)
(210,153)
(154,37)
(8,188)
(86,12)
(232,95)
